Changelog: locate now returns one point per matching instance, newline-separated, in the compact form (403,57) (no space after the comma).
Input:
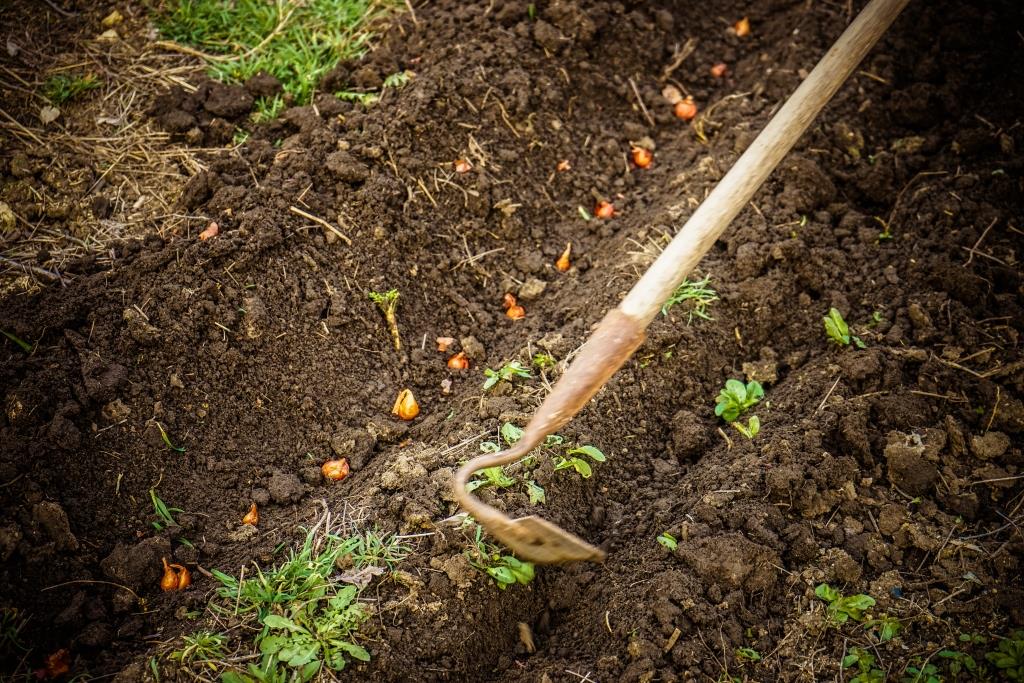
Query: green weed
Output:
(921,672)
(543,361)
(838,331)
(579,464)
(167,440)
(267,109)
(867,672)
(387,302)
(296,42)
(11,624)
(165,515)
(22,344)
(304,622)
(201,648)
(506,570)
(1009,656)
(506,373)
(751,429)
(842,608)
(748,654)
(536,493)
(699,295)
(492,476)
(668,541)
(736,398)
(61,88)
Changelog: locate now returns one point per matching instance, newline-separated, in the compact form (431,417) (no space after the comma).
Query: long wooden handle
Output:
(755,165)
(622,330)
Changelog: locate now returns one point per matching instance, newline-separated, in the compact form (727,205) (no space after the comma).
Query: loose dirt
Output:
(893,470)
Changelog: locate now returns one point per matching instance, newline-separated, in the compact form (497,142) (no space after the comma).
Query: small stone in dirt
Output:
(355,444)
(227,101)
(137,566)
(254,322)
(115,411)
(139,328)
(10,536)
(96,634)
(547,36)
(243,533)
(764,371)
(263,85)
(368,77)
(102,379)
(260,496)
(311,475)
(990,445)
(907,467)
(457,568)
(841,567)
(891,518)
(285,487)
(473,348)
(689,435)
(346,168)
(402,473)
(732,560)
(532,288)
(54,521)
(7,219)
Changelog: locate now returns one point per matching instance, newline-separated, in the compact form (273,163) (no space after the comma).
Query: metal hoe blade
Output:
(532,538)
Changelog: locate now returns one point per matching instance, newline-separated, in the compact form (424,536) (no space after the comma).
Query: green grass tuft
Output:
(296,42)
(61,88)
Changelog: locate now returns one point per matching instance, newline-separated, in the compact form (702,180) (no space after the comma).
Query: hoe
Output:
(622,329)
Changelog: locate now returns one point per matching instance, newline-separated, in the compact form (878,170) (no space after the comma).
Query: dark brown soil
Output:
(894,470)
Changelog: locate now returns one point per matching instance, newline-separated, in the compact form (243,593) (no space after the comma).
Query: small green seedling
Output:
(838,331)
(584,214)
(579,464)
(748,654)
(736,398)
(865,663)
(11,625)
(885,627)
(398,80)
(201,648)
(511,433)
(387,302)
(699,294)
(1009,657)
(308,643)
(22,344)
(493,476)
(506,570)
(543,361)
(668,541)
(959,662)
(267,109)
(165,515)
(752,428)
(921,673)
(506,372)
(167,439)
(61,88)
(841,608)
(536,493)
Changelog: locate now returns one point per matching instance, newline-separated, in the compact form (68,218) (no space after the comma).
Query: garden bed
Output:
(225,371)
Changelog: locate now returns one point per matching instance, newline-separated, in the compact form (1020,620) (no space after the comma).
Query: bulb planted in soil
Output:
(335,470)
(406,407)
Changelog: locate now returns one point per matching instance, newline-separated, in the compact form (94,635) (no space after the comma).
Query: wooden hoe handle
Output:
(622,330)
